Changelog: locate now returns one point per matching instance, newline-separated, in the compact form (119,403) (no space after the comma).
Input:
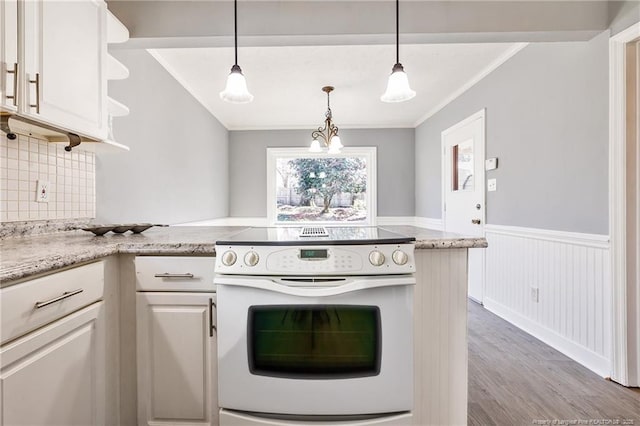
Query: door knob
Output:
(475,221)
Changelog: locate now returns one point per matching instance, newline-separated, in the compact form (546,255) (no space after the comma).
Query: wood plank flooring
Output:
(515,379)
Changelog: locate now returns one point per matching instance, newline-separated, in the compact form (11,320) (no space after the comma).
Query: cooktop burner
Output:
(291,236)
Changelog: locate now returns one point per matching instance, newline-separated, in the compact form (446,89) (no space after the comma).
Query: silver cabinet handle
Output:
(475,221)
(63,296)
(14,71)
(168,275)
(211,326)
(37,83)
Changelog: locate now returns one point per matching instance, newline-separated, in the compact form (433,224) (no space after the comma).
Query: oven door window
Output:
(314,341)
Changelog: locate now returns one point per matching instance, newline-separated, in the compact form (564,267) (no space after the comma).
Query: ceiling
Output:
(290,49)
(287,80)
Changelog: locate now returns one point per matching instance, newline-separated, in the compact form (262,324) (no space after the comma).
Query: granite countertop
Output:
(26,256)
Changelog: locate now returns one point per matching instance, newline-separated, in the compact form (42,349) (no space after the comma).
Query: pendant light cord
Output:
(235,29)
(397,31)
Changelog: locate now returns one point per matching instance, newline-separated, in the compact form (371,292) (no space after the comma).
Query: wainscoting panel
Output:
(571,274)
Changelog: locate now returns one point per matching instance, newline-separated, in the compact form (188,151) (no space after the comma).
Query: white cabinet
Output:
(55,375)
(64,66)
(177,363)
(176,341)
(52,357)
(8,54)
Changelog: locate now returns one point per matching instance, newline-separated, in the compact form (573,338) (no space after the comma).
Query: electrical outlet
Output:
(491,185)
(535,294)
(42,191)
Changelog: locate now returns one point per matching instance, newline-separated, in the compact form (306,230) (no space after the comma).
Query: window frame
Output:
(368,153)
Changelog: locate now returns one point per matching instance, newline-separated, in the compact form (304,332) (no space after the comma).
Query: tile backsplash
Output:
(71,177)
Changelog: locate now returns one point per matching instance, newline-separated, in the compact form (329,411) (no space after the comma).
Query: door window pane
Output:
(462,156)
(314,341)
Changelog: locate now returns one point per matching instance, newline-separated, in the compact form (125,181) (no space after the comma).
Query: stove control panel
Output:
(378,259)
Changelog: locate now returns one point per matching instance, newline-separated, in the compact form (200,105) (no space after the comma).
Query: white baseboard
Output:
(598,364)
(428,222)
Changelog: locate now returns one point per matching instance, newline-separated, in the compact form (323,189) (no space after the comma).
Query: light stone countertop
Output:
(22,257)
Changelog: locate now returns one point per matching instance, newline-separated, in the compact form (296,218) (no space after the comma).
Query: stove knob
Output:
(376,258)
(251,258)
(399,257)
(229,258)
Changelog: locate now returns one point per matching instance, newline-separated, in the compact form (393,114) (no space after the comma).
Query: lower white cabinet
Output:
(176,358)
(56,374)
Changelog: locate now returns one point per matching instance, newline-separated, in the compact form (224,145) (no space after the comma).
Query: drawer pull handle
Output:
(63,296)
(167,275)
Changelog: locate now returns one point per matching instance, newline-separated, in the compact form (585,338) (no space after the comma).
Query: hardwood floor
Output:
(515,379)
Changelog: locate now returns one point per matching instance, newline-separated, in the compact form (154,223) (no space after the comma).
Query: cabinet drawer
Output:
(32,304)
(172,273)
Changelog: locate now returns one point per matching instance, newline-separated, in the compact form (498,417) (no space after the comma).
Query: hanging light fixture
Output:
(236,90)
(398,89)
(328,134)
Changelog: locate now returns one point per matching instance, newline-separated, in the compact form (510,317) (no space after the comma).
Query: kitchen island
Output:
(440,313)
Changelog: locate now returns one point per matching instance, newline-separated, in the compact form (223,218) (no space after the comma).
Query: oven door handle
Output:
(349,285)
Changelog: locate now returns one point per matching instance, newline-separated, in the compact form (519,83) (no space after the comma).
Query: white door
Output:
(56,374)
(464,190)
(177,363)
(9,54)
(65,64)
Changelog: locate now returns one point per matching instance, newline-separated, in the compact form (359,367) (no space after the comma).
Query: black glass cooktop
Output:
(290,236)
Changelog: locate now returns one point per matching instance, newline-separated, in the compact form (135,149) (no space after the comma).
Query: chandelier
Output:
(327,134)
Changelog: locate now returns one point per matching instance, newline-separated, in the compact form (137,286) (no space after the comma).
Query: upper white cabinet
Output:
(9,54)
(64,64)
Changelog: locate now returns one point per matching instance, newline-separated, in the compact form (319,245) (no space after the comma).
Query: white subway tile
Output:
(12,153)
(12,215)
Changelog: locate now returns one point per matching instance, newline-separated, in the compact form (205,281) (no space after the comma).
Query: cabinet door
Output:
(8,54)
(65,64)
(177,363)
(56,375)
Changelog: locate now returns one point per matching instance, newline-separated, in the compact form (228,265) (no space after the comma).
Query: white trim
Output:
(473,81)
(617,202)
(584,356)
(429,223)
(228,221)
(367,152)
(575,238)
(396,220)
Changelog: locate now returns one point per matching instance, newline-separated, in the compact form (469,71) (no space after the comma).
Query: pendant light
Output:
(329,133)
(236,90)
(398,89)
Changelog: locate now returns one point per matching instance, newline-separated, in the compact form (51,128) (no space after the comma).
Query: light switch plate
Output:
(491,185)
(491,163)
(42,191)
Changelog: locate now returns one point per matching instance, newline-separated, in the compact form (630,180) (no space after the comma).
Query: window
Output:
(304,187)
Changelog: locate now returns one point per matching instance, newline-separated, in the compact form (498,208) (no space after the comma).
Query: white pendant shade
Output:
(236,90)
(335,145)
(315,146)
(398,89)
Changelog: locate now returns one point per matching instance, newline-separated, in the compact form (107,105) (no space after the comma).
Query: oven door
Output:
(340,346)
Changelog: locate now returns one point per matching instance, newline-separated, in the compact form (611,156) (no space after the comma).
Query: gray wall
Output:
(248,166)
(547,122)
(177,169)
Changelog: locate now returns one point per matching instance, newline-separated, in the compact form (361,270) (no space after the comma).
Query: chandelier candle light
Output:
(236,90)
(328,133)
(398,89)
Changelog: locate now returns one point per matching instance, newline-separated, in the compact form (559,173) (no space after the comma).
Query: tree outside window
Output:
(305,187)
